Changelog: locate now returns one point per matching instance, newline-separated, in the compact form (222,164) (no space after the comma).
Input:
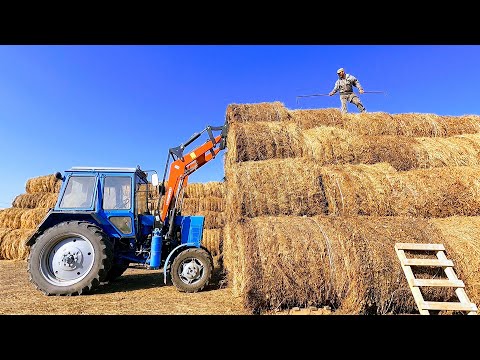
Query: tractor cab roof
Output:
(90,169)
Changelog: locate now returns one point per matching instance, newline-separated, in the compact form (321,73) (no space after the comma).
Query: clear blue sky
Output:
(126,105)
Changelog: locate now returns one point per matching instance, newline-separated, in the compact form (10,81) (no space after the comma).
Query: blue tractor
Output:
(103,221)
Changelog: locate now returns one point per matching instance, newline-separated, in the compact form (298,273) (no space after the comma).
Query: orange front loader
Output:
(184,165)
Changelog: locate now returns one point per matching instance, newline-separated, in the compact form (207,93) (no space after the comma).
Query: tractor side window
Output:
(117,193)
(78,192)
(141,198)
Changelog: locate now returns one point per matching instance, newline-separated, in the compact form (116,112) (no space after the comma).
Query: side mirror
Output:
(154,179)
(58,175)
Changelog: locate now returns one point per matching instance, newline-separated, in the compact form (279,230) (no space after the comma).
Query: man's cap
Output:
(340,70)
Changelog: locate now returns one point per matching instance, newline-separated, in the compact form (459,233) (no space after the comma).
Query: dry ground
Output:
(137,292)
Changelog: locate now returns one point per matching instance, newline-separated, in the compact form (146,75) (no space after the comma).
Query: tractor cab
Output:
(116,199)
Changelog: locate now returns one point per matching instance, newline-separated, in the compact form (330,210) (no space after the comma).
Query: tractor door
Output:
(117,201)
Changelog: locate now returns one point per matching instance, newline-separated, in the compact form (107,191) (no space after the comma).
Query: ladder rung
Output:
(427,262)
(415,246)
(437,282)
(435,305)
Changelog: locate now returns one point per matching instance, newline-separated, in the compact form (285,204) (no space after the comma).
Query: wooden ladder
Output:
(441,261)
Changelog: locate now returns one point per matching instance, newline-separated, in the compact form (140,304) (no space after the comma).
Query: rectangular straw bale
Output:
(152,190)
(213,219)
(212,240)
(193,190)
(264,111)
(194,206)
(214,189)
(234,260)
(203,190)
(348,263)
(330,145)
(274,187)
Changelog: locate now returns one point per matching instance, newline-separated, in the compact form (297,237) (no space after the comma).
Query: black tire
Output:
(116,271)
(191,270)
(70,258)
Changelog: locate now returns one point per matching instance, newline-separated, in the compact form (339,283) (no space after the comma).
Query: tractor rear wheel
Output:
(191,270)
(70,258)
(116,271)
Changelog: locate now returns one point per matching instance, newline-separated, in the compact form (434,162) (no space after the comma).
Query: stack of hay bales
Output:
(208,199)
(316,201)
(19,222)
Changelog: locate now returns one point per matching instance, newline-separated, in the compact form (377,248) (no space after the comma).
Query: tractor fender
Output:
(173,252)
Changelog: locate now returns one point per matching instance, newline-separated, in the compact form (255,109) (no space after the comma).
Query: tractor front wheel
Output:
(191,270)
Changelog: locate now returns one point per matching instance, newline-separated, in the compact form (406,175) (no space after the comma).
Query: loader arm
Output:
(184,165)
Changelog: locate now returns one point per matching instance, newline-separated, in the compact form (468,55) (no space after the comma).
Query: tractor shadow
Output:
(139,278)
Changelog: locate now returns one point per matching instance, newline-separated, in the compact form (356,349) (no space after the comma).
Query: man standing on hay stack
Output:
(344,85)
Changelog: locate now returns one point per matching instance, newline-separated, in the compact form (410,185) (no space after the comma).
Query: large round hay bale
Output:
(265,111)
(12,244)
(381,123)
(332,145)
(412,124)
(38,199)
(310,118)
(11,218)
(46,183)
(457,150)
(273,187)
(300,187)
(380,190)
(348,263)
(461,238)
(31,218)
(264,140)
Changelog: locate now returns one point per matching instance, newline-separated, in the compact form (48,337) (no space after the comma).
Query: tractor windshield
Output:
(78,192)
